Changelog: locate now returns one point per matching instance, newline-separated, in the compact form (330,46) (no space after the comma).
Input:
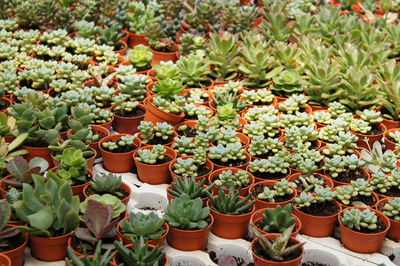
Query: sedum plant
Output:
(281,188)
(231,152)
(229,203)
(185,167)
(149,227)
(357,219)
(391,209)
(151,156)
(227,179)
(149,132)
(123,145)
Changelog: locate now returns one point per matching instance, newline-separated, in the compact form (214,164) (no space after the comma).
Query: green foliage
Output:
(97,260)
(151,156)
(140,225)
(107,183)
(277,220)
(354,218)
(73,166)
(140,57)
(24,171)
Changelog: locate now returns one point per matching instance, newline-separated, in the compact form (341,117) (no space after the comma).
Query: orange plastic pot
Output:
(136,39)
(4,260)
(128,125)
(387,122)
(256,217)
(157,173)
(209,165)
(363,242)
(243,166)
(230,226)
(260,204)
(156,242)
(390,145)
(259,261)
(317,226)
(117,162)
(124,187)
(108,124)
(328,182)
(78,189)
(371,138)
(394,230)
(243,192)
(49,248)
(155,115)
(189,240)
(123,49)
(161,56)
(42,152)
(17,255)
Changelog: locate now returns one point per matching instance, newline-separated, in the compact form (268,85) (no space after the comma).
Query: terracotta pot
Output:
(390,145)
(328,182)
(371,138)
(5,260)
(363,242)
(124,187)
(78,189)
(117,162)
(43,152)
(387,122)
(256,217)
(243,192)
(189,240)
(17,255)
(317,226)
(114,260)
(9,139)
(128,125)
(161,56)
(90,161)
(157,173)
(49,248)
(155,242)
(394,230)
(154,114)
(258,261)
(230,226)
(208,165)
(260,204)
(243,166)
(135,39)
(123,49)
(3,192)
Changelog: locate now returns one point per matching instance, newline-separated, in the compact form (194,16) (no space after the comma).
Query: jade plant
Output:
(230,204)
(277,220)
(150,226)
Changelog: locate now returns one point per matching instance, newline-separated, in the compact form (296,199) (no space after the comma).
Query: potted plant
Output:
(261,147)
(392,138)
(139,17)
(317,213)
(189,223)
(359,192)
(260,97)
(10,151)
(96,229)
(385,185)
(231,155)
(140,58)
(376,160)
(310,180)
(90,260)
(275,220)
(272,193)
(153,229)
(49,230)
(189,186)
(139,253)
(152,163)
(273,168)
(362,229)
(127,115)
(277,253)
(108,184)
(369,126)
(160,133)
(13,242)
(197,166)
(117,151)
(231,213)
(226,177)
(194,71)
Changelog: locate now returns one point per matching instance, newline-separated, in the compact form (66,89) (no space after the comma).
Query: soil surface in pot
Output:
(380,227)
(368,200)
(235,187)
(321,209)
(260,225)
(259,188)
(191,117)
(90,191)
(265,155)
(392,192)
(390,138)
(202,170)
(311,263)
(79,245)
(239,261)
(205,99)
(351,175)
(299,184)
(159,140)
(312,147)
(189,132)
(13,242)
(41,143)
(122,149)
(230,163)
(269,176)
(258,250)
(134,113)
(77,183)
(166,159)
(375,130)
(261,103)
(101,135)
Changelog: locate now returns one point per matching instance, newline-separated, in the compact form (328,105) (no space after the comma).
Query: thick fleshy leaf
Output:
(43,219)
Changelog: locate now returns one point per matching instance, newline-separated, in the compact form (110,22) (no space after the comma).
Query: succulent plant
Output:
(288,82)
(227,179)
(354,218)
(98,258)
(391,209)
(6,232)
(377,160)
(151,156)
(140,57)
(278,219)
(140,225)
(107,183)
(189,186)
(73,166)
(24,171)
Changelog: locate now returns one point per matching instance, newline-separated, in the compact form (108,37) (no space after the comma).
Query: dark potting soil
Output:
(311,263)
(158,140)
(258,250)
(189,132)
(13,242)
(118,46)
(166,159)
(79,245)
(299,184)
(191,117)
(264,156)
(370,201)
(230,163)
(374,130)
(90,191)
(4,105)
(261,103)
(351,175)
(123,149)
(41,143)
(380,227)
(269,176)
(259,188)
(101,135)
(392,192)
(260,225)
(321,209)
(391,139)
(134,113)
(202,170)
(239,261)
